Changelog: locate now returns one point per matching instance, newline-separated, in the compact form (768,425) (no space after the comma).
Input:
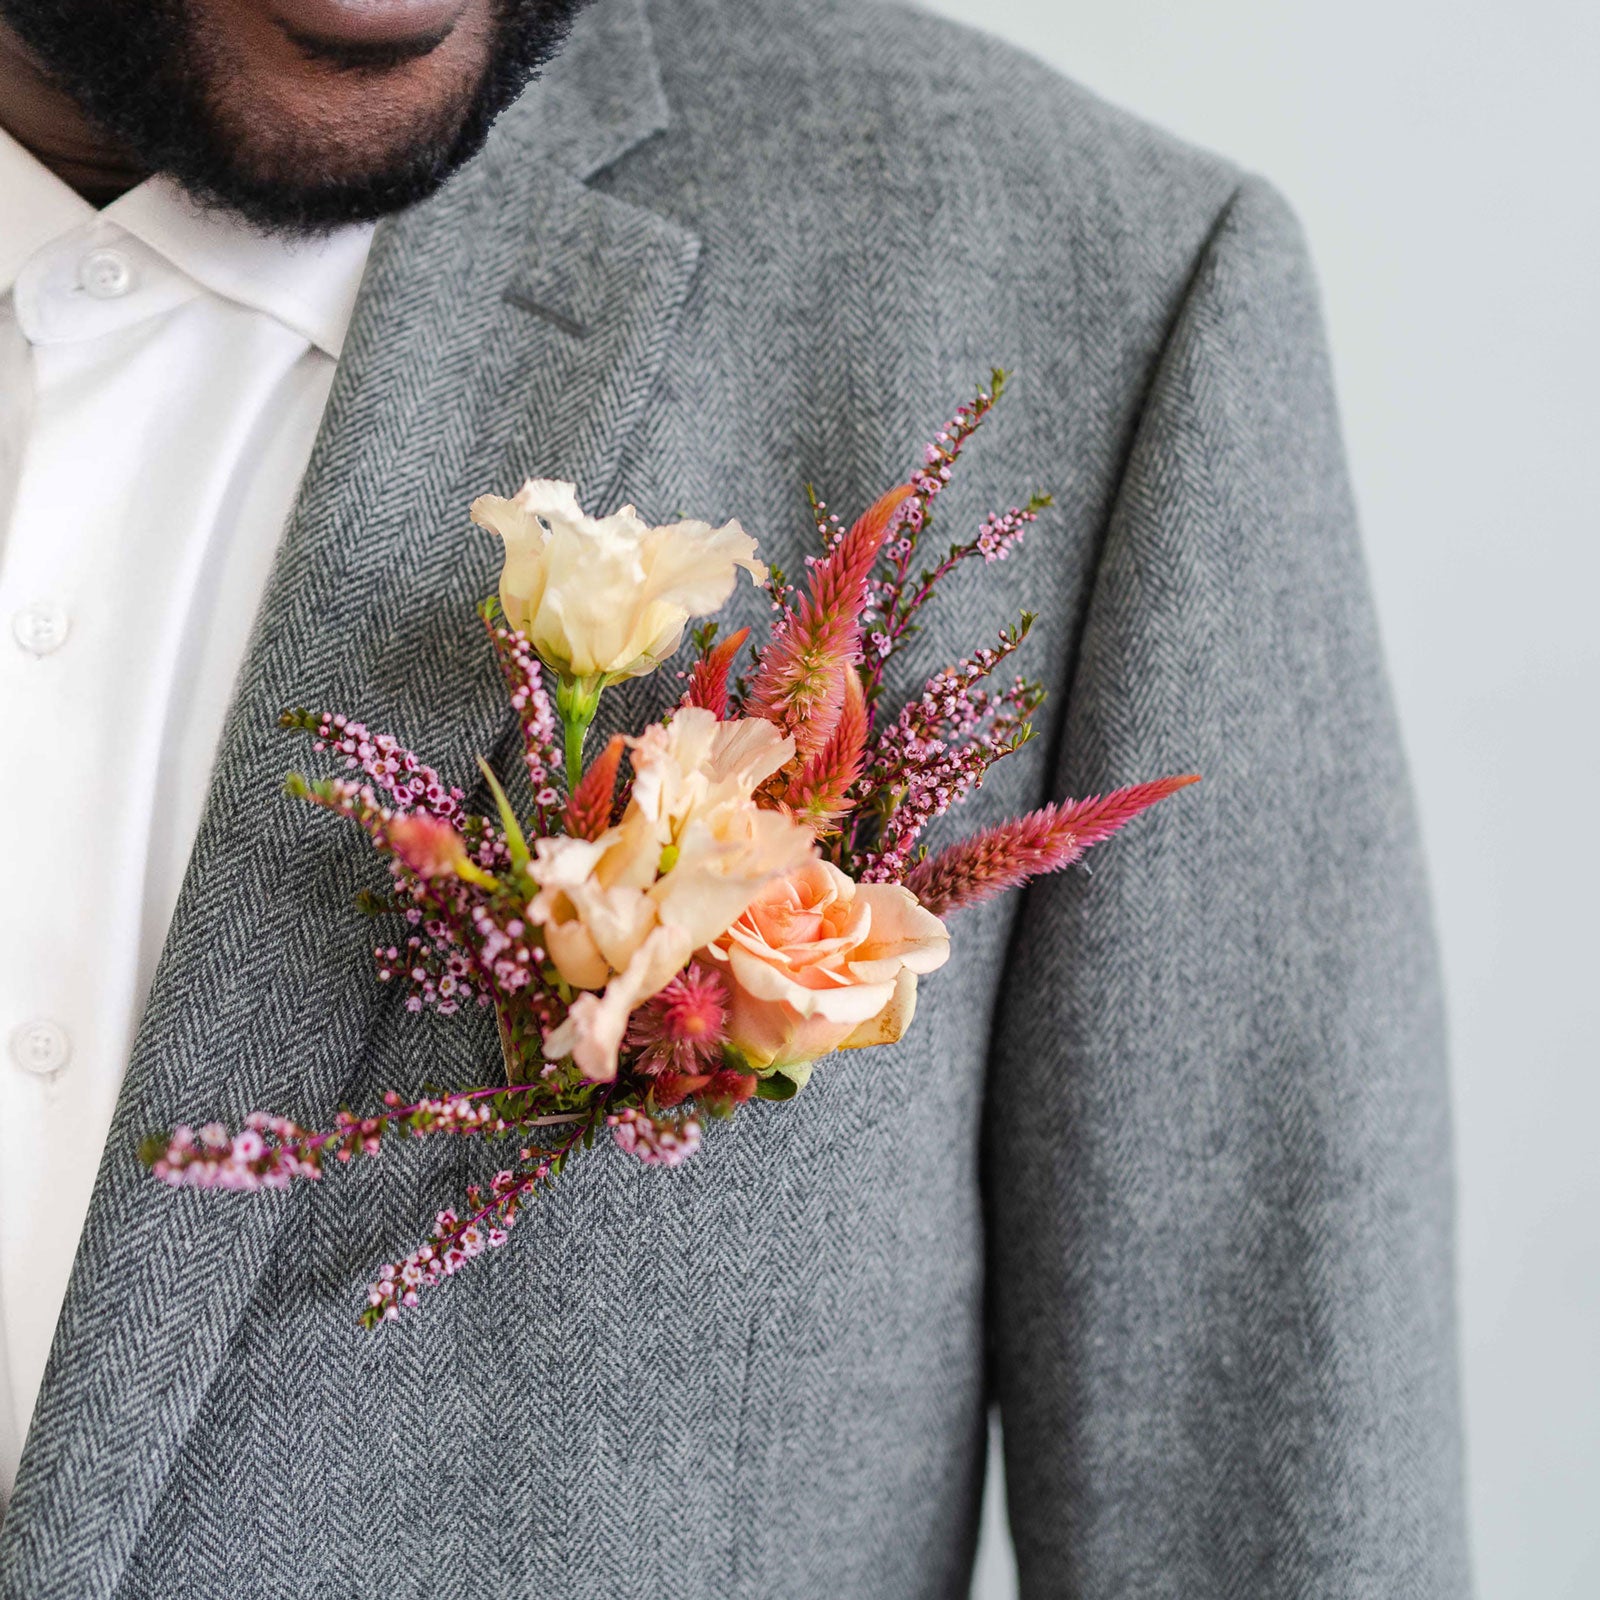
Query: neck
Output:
(46,121)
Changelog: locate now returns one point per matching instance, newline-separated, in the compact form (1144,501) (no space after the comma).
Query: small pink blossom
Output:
(656,1141)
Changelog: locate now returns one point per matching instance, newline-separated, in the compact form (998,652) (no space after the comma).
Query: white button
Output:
(41,1047)
(40,627)
(106,274)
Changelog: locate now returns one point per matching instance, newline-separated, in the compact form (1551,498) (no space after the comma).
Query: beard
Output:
(149,76)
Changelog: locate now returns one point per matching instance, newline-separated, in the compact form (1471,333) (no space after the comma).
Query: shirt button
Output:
(40,627)
(105,274)
(42,1046)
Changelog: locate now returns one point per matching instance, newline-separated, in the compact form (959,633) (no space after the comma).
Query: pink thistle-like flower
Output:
(708,682)
(1046,840)
(681,1029)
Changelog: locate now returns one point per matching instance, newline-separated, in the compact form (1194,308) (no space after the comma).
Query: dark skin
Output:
(300,113)
(49,124)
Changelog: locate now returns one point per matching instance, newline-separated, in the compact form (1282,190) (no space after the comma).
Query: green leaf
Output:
(516,841)
(778,1087)
(799,1071)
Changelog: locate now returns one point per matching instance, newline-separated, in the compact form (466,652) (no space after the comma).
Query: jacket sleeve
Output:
(1217,1142)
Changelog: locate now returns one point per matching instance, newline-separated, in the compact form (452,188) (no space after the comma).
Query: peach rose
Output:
(818,962)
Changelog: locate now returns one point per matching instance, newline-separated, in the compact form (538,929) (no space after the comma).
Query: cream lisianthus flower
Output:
(818,962)
(623,913)
(606,598)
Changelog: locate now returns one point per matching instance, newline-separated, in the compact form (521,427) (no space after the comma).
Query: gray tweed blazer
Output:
(1163,1170)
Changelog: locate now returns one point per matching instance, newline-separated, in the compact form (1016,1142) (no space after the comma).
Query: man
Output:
(1162,1170)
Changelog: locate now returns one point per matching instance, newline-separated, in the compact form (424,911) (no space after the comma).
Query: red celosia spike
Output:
(708,682)
(1046,840)
(819,795)
(589,809)
(1099,817)
(837,583)
(799,682)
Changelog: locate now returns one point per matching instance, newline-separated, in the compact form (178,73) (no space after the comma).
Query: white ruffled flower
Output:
(607,598)
(622,914)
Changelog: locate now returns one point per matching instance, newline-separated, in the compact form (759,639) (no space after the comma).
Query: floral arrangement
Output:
(699,915)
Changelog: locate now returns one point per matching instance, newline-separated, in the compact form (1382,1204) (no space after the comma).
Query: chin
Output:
(290,117)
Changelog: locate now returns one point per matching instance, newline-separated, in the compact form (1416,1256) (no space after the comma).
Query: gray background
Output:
(1442,158)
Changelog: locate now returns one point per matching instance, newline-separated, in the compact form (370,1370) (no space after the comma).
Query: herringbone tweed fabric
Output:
(1163,1167)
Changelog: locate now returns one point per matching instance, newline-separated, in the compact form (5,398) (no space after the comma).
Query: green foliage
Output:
(516,840)
(704,639)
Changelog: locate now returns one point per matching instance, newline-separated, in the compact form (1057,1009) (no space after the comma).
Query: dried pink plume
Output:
(820,793)
(799,681)
(589,809)
(708,682)
(1047,840)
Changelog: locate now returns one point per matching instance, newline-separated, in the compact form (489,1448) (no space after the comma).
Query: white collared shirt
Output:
(163,371)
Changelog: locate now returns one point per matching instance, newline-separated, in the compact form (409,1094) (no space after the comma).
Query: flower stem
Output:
(577,700)
(576,733)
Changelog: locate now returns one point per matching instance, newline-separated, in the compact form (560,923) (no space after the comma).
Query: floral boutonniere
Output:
(699,915)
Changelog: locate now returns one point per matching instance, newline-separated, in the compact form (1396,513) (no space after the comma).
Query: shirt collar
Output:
(35,207)
(309,285)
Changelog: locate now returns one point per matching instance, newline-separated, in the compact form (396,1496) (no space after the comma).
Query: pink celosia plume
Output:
(799,682)
(589,809)
(1046,840)
(820,794)
(708,682)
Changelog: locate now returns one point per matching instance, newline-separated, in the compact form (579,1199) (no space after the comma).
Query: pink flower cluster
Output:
(656,1141)
(893,601)
(268,1153)
(1000,535)
(940,747)
(524,680)
(439,977)
(449,1247)
(393,769)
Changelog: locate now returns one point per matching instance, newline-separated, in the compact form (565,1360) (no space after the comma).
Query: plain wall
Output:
(1443,158)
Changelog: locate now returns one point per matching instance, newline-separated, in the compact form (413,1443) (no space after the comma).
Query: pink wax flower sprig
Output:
(701,915)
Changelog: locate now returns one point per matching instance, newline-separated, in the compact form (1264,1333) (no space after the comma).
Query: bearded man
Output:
(1162,1173)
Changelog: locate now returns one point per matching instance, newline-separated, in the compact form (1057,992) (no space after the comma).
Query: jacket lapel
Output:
(512,326)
